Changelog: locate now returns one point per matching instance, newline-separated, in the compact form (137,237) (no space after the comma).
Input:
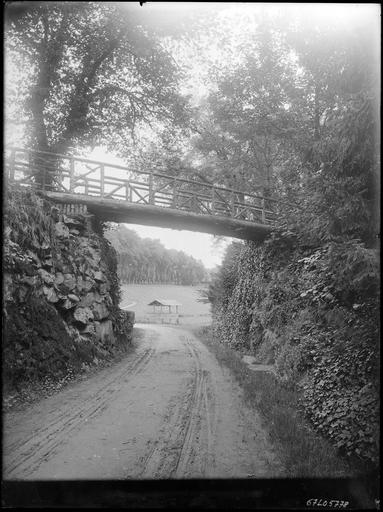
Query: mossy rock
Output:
(36,343)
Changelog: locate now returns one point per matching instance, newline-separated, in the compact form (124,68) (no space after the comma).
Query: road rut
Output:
(167,410)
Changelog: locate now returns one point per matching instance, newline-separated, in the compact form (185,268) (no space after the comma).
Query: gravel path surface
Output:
(167,410)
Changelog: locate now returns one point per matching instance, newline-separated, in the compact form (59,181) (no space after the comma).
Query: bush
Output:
(313,311)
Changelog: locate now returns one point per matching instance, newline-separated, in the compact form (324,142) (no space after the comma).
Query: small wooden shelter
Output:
(165,303)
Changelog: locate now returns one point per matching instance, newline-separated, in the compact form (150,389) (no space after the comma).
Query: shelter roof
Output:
(164,302)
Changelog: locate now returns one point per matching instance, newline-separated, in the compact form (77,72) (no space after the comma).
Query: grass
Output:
(136,297)
(304,453)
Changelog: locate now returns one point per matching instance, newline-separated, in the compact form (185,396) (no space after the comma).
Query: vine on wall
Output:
(313,313)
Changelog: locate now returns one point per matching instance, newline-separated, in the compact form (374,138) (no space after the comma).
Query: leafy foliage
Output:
(28,223)
(46,350)
(301,109)
(109,256)
(316,310)
(90,73)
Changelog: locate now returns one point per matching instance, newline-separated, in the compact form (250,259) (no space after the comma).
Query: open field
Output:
(136,297)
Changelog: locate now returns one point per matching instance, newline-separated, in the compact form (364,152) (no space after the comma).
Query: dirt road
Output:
(168,410)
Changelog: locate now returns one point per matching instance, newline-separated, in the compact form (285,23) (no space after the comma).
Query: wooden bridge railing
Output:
(76,175)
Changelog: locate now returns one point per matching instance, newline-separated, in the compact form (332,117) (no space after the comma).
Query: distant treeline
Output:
(143,260)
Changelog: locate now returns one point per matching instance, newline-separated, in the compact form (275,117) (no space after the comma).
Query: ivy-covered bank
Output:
(61,294)
(313,313)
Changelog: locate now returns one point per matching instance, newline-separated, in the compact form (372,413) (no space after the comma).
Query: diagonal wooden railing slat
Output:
(81,176)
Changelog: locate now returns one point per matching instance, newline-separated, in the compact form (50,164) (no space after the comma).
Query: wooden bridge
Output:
(119,194)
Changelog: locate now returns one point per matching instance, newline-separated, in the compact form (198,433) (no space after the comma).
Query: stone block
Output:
(68,304)
(83,315)
(100,311)
(104,331)
(70,281)
(22,292)
(71,221)
(93,255)
(50,294)
(46,276)
(104,288)
(29,280)
(88,329)
(88,271)
(61,230)
(99,276)
(33,257)
(59,279)
(89,299)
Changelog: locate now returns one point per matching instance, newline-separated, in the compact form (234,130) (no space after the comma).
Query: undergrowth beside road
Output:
(313,314)
(304,453)
(35,391)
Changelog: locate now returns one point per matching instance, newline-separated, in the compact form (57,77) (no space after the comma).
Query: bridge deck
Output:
(118,194)
(131,213)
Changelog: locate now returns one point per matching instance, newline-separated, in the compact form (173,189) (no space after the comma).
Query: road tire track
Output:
(187,429)
(28,454)
(166,411)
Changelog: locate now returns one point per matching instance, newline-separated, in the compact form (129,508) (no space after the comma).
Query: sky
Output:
(199,245)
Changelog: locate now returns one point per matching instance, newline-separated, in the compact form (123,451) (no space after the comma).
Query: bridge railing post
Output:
(37,167)
(263,210)
(71,174)
(175,193)
(212,200)
(102,183)
(127,190)
(232,203)
(151,189)
(194,203)
(45,171)
(30,169)
(12,162)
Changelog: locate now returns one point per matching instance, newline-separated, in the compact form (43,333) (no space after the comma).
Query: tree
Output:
(248,115)
(94,73)
(337,182)
(148,261)
(293,115)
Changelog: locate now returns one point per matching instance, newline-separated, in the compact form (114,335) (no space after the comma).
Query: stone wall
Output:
(68,281)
